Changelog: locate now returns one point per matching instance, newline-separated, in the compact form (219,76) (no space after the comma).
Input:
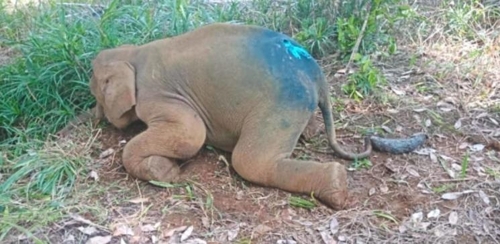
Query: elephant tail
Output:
(326,110)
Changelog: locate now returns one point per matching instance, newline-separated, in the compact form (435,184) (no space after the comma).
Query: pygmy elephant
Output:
(240,88)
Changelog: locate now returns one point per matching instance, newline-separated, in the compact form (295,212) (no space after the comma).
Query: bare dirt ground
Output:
(421,197)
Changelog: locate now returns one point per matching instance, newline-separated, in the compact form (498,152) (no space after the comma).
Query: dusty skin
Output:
(254,99)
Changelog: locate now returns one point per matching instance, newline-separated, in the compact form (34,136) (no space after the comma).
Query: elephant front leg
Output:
(157,168)
(153,154)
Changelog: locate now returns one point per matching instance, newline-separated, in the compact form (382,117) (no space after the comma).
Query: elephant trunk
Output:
(326,110)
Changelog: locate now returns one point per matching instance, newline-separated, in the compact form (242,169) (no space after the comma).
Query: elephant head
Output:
(113,86)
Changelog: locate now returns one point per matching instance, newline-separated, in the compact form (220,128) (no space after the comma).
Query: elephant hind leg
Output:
(264,159)
(174,132)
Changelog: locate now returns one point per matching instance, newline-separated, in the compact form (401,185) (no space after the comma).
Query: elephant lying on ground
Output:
(243,89)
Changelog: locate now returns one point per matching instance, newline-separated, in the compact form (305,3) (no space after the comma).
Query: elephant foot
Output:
(157,168)
(335,194)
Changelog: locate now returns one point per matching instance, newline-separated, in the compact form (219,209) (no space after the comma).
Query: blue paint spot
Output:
(291,69)
(295,50)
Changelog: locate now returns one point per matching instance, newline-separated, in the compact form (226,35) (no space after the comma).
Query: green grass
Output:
(36,185)
(442,188)
(299,202)
(464,166)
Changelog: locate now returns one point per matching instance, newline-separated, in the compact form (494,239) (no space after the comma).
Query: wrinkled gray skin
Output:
(242,89)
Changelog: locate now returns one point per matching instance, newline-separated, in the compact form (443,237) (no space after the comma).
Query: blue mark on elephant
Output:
(289,66)
(296,51)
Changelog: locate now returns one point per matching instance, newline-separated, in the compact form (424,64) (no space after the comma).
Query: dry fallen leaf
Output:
(171,232)
(494,121)
(386,129)
(94,175)
(402,228)
(423,225)
(81,219)
(233,233)
(417,217)
(451,195)
(425,151)
(206,222)
(334,226)
(147,228)
(99,240)
(106,153)
(445,107)
(326,237)
(463,145)
(70,239)
(412,171)
(428,122)
(477,147)
(433,157)
(484,197)
(434,213)
(286,242)
(139,200)
(419,110)
(398,92)
(195,241)
(454,195)
(453,218)
(261,229)
(122,229)
(89,230)
(342,238)
(187,233)
(458,124)
(456,167)
(438,232)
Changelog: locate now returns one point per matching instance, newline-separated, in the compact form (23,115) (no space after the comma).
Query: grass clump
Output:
(299,202)
(362,82)
(36,184)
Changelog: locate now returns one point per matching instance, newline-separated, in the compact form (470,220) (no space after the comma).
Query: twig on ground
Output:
(456,180)
(80,219)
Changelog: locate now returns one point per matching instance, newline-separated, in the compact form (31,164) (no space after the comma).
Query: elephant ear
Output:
(119,89)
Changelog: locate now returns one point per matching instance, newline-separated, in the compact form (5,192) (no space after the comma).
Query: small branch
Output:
(358,41)
(455,180)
